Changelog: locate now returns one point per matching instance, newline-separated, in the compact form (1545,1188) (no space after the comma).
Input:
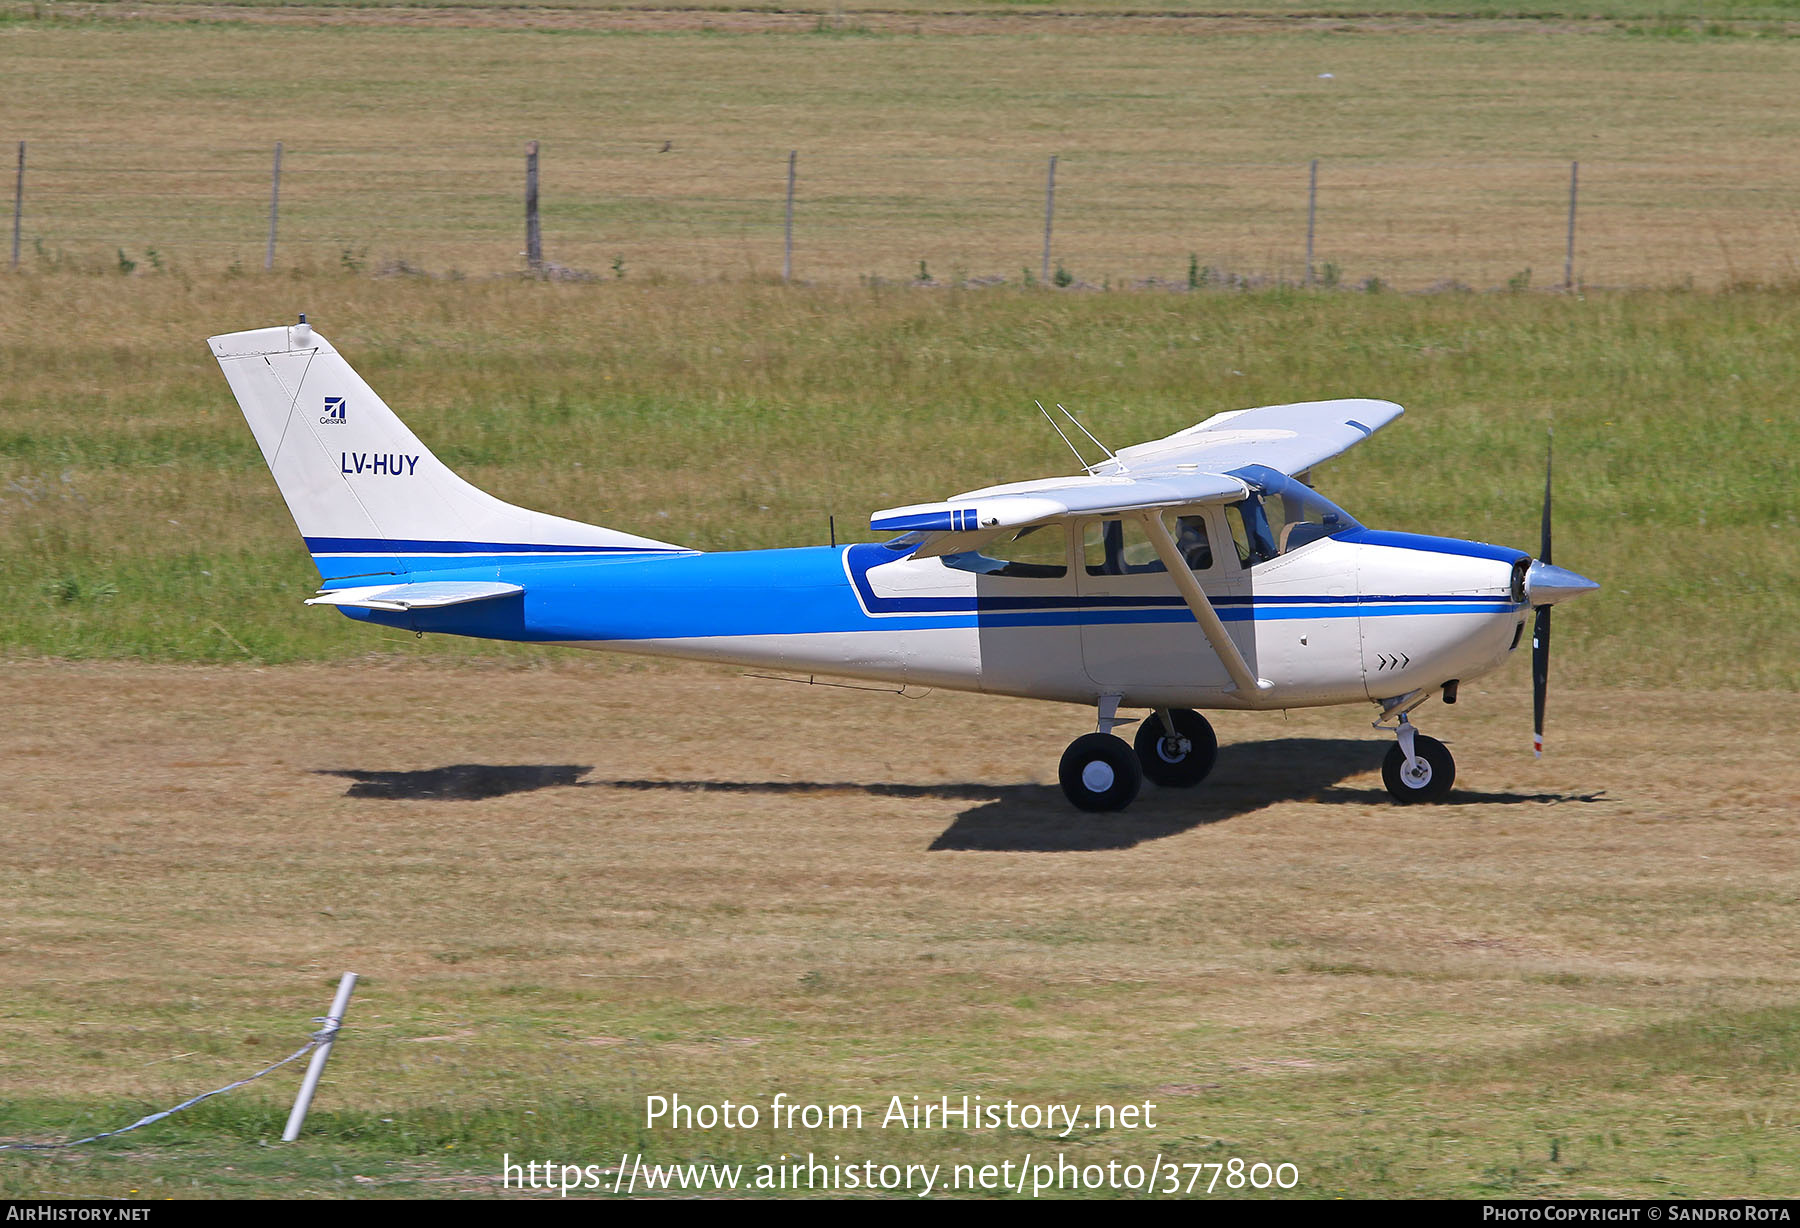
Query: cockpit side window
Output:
(1280,516)
(1240,535)
(1122,548)
(1192,542)
(1250,531)
(1038,552)
(1118,548)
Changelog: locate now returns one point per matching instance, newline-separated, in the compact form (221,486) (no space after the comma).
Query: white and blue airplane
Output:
(1199,571)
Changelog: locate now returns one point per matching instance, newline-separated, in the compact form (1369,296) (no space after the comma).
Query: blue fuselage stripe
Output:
(1430,545)
(805,591)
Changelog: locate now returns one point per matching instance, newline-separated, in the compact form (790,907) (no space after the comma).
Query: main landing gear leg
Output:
(1099,771)
(1418,769)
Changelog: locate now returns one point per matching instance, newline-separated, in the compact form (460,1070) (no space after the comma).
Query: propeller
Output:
(1545,585)
(1540,631)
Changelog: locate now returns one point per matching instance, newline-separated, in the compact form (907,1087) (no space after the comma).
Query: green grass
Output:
(137,519)
(1615,1115)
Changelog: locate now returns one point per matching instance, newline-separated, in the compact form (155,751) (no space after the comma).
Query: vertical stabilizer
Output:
(367,496)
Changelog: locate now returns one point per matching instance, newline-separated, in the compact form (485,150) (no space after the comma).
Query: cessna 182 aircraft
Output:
(1199,571)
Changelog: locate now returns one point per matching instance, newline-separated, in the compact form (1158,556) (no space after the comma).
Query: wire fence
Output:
(1081,218)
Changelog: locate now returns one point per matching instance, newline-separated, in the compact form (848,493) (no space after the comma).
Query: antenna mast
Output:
(1079,459)
(1072,418)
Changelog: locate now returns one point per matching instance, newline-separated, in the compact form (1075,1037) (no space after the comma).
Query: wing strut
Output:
(1248,684)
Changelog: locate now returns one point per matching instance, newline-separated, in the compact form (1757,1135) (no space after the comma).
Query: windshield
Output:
(1280,516)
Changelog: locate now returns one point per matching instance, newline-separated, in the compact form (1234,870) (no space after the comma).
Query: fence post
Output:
(534,237)
(1569,255)
(787,251)
(1312,213)
(316,1067)
(18,204)
(274,208)
(1049,216)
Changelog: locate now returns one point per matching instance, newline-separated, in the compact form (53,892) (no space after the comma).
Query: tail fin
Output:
(368,497)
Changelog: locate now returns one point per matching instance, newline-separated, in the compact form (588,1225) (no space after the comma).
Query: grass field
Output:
(572,888)
(1444,148)
(139,520)
(572,882)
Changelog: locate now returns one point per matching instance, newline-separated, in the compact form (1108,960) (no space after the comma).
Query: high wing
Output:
(1288,438)
(1193,466)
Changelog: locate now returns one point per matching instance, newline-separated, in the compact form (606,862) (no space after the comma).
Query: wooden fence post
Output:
(534,236)
(787,251)
(274,208)
(1569,255)
(1312,214)
(18,204)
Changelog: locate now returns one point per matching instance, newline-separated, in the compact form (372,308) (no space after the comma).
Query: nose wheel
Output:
(1418,768)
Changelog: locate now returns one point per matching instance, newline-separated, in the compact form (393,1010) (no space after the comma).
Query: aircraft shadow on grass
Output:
(1012,818)
(1249,777)
(467,782)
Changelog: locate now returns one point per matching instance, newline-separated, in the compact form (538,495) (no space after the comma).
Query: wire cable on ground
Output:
(324,1034)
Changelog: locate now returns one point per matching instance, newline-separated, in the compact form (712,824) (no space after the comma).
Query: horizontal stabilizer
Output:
(426,595)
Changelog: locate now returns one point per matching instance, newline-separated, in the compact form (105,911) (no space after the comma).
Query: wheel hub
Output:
(1098,776)
(1174,750)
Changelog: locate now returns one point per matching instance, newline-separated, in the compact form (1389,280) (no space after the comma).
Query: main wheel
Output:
(1430,781)
(1181,761)
(1100,772)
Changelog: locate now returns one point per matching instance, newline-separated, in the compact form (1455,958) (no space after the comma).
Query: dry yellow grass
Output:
(1444,147)
(676,879)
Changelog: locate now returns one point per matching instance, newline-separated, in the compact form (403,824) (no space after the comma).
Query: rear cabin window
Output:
(1040,552)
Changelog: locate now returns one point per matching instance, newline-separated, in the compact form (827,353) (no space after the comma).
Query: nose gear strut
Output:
(1418,768)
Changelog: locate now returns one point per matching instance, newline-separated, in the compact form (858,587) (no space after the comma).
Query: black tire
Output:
(1180,762)
(1100,772)
(1440,772)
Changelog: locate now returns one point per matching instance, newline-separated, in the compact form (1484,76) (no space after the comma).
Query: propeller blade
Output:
(1544,532)
(1540,631)
(1540,677)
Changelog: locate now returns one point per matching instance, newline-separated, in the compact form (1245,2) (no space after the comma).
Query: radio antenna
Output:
(1079,459)
(1072,418)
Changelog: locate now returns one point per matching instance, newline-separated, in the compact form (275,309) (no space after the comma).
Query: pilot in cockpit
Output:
(1191,543)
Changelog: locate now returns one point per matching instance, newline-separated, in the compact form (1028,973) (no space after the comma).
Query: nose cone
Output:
(1547,585)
